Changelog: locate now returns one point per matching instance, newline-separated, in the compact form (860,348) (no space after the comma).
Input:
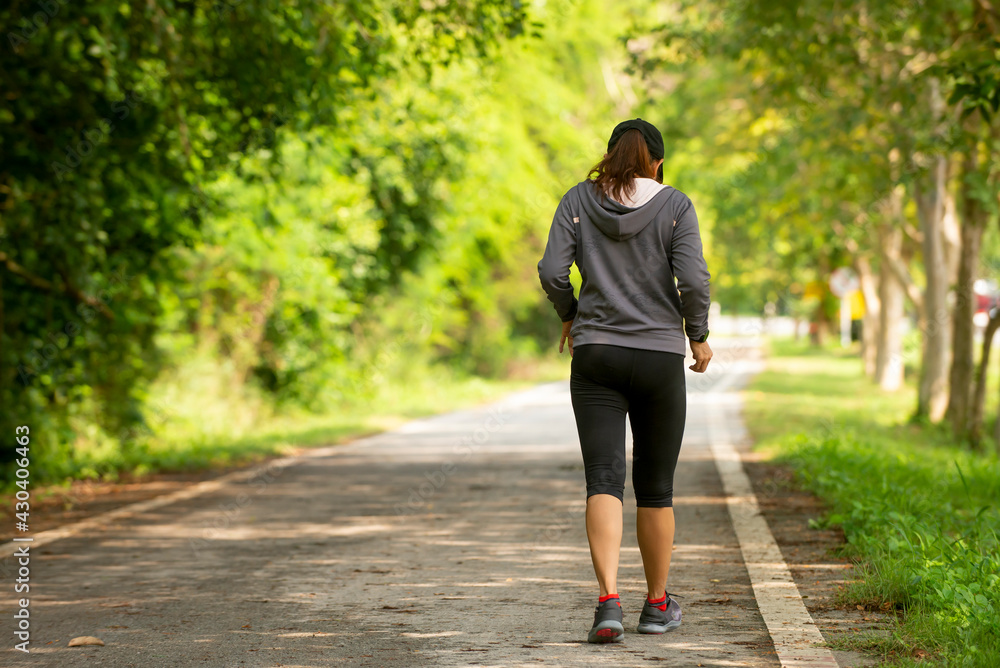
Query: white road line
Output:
(797,640)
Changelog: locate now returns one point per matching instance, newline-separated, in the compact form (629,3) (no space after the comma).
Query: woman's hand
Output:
(702,356)
(566,337)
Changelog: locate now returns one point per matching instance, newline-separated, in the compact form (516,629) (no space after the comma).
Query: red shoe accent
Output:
(602,599)
(660,603)
(607,633)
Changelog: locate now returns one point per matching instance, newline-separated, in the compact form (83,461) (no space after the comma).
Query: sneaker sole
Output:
(658,628)
(609,631)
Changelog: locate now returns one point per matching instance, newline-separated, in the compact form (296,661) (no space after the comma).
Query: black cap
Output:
(654,140)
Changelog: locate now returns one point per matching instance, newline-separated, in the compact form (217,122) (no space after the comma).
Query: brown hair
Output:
(628,159)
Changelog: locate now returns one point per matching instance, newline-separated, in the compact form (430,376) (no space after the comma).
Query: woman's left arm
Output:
(553,268)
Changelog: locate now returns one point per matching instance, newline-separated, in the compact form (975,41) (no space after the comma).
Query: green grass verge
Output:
(207,427)
(919,513)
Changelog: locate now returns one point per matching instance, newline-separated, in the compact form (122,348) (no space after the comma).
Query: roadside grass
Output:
(919,512)
(208,428)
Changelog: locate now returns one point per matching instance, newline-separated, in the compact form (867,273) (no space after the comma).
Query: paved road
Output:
(456,540)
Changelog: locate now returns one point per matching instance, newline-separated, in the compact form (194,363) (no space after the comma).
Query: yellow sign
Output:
(857,305)
(814,290)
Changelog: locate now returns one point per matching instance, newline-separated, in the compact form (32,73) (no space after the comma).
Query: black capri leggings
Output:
(606,382)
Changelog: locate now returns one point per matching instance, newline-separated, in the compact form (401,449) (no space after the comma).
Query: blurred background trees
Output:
(213,213)
(863,134)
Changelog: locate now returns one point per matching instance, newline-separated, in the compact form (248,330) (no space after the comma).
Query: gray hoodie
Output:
(629,259)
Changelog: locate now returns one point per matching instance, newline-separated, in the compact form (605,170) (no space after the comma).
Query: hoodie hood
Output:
(616,220)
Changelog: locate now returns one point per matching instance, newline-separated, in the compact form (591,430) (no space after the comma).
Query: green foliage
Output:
(291,206)
(926,524)
(796,120)
(115,115)
(918,512)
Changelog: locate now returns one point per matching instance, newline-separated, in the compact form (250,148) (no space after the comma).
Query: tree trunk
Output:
(891,296)
(962,367)
(932,397)
(889,351)
(870,319)
(996,433)
(979,395)
(952,232)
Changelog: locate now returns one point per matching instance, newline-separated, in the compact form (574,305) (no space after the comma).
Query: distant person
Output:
(631,237)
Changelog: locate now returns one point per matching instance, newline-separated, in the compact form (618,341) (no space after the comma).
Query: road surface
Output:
(456,540)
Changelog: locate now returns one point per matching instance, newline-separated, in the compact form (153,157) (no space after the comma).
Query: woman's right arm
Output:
(691,272)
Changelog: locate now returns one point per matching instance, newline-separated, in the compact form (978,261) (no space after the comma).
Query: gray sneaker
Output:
(656,620)
(608,622)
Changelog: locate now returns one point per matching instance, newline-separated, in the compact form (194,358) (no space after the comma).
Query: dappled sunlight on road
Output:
(459,536)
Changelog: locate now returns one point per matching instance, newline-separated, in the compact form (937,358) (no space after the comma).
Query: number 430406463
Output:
(22,473)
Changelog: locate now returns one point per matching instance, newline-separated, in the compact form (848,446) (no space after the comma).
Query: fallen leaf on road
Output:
(85,640)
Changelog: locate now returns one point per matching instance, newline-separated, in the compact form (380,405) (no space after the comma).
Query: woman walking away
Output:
(631,238)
